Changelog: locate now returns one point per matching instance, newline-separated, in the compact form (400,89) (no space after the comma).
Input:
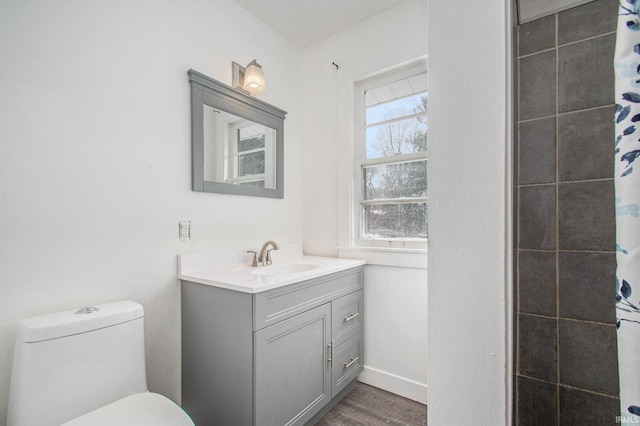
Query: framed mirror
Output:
(237,141)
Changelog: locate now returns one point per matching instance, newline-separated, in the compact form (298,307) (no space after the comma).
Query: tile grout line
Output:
(537,379)
(534,315)
(517,266)
(557,224)
(565,182)
(612,251)
(574,111)
(558,45)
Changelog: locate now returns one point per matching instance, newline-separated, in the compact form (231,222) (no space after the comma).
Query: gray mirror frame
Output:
(207,91)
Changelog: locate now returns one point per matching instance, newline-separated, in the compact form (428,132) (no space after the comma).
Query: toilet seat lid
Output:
(142,409)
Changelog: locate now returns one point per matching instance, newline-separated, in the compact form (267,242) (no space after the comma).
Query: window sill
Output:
(400,257)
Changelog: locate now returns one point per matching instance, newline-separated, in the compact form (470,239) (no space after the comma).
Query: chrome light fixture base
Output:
(237,77)
(249,79)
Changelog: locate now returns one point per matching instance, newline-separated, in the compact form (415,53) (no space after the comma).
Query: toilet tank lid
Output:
(76,321)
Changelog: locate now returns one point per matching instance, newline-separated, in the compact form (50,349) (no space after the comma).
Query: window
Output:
(250,144)
(390,207)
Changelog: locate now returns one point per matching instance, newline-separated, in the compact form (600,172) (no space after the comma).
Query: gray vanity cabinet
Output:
(279,357)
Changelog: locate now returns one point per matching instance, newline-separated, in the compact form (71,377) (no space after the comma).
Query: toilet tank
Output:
(69,363)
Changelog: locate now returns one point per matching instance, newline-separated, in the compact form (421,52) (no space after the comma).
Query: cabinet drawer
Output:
(281,303)
(347,316)
(348,362)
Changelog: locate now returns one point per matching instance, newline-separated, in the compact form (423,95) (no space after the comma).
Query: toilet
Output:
(86,367)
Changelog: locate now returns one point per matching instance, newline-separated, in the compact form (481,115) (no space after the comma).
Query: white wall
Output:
(94,172)
(469,208)
(396,330)
(395,298)
(95,158)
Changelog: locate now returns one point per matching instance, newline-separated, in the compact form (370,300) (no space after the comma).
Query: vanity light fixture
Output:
(249,79)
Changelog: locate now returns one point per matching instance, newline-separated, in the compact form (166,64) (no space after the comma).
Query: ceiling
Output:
(304,22)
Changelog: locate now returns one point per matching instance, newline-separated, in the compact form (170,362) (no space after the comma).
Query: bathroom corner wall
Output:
(395,297)
(566,363)
(470,122)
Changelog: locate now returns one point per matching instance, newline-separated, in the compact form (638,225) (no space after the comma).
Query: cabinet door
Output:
(293,377)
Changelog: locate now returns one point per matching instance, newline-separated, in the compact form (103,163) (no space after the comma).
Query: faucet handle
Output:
(254,262)
(268,258)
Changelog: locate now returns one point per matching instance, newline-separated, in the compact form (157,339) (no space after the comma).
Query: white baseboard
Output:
(394,384)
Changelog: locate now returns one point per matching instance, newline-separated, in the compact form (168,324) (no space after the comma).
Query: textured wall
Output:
(469,210)
(95,158)
(566,366)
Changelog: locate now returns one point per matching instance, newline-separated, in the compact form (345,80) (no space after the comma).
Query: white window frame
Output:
(357,210)
(233,155)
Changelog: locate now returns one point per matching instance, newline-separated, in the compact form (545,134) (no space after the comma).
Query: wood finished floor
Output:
(367,405)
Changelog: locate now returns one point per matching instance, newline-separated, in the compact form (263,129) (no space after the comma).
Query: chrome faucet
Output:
(264,256)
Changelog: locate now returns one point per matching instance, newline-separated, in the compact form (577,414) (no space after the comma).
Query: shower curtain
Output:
(627,206)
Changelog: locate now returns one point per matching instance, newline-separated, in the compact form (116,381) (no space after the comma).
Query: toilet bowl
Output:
(141,409)
(86,367)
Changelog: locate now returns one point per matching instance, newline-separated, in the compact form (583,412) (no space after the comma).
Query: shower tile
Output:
(588,356)
(584,144)
(587,286)
(537,282)
(537,35)
(537,403)
(590,20)
(538,217)
(537,151)
(586,216)
(583,408)
(537,347)
(585,74)
(537,85)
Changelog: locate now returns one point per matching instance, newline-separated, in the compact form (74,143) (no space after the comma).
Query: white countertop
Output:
(231,269)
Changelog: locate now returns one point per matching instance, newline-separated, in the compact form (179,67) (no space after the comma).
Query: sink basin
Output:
(286,268)
(231,269)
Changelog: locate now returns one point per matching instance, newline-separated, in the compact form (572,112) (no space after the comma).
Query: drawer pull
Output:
(350,363)
(350,317)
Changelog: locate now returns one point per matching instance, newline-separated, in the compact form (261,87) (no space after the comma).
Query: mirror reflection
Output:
(237,150)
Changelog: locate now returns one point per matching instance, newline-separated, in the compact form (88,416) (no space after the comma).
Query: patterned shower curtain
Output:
(627,199)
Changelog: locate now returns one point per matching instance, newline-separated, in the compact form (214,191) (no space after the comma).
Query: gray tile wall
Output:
(566,355)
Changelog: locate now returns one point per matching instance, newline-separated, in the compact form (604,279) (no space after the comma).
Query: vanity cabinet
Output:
(273,358)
